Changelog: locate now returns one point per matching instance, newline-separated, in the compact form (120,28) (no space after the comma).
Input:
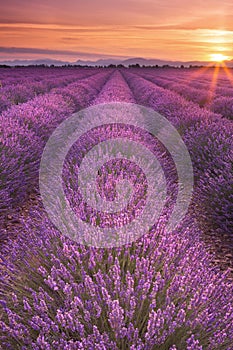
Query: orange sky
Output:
(89,29)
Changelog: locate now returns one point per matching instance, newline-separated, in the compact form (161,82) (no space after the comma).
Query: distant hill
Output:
(105,62)
(45,61)
(100,62)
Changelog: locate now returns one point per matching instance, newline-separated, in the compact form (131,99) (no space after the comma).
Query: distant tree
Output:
(137,65)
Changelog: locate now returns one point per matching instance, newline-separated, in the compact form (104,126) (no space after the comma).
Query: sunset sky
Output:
(89,29)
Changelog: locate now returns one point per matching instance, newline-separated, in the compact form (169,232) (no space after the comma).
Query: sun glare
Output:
(218,57)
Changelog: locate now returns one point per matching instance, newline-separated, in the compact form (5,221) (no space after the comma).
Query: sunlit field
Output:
(168,290)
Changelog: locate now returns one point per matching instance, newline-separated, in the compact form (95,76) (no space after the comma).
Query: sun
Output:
(218,57)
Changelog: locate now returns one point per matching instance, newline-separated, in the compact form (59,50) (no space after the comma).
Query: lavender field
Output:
(168,289)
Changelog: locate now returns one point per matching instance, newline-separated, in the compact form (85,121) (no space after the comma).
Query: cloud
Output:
(29,50)
(16,50)
(12,27)
(206,22)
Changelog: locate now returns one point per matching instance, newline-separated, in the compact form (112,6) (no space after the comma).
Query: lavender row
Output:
(29,88)
(25,130)
(216,98)
(14,76)
(197,78)
(210,143)
(116,89)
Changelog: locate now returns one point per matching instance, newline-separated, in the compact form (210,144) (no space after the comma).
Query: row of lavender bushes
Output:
(209,140)
(30,87)
(26,128)
(13,76)
(218,99)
